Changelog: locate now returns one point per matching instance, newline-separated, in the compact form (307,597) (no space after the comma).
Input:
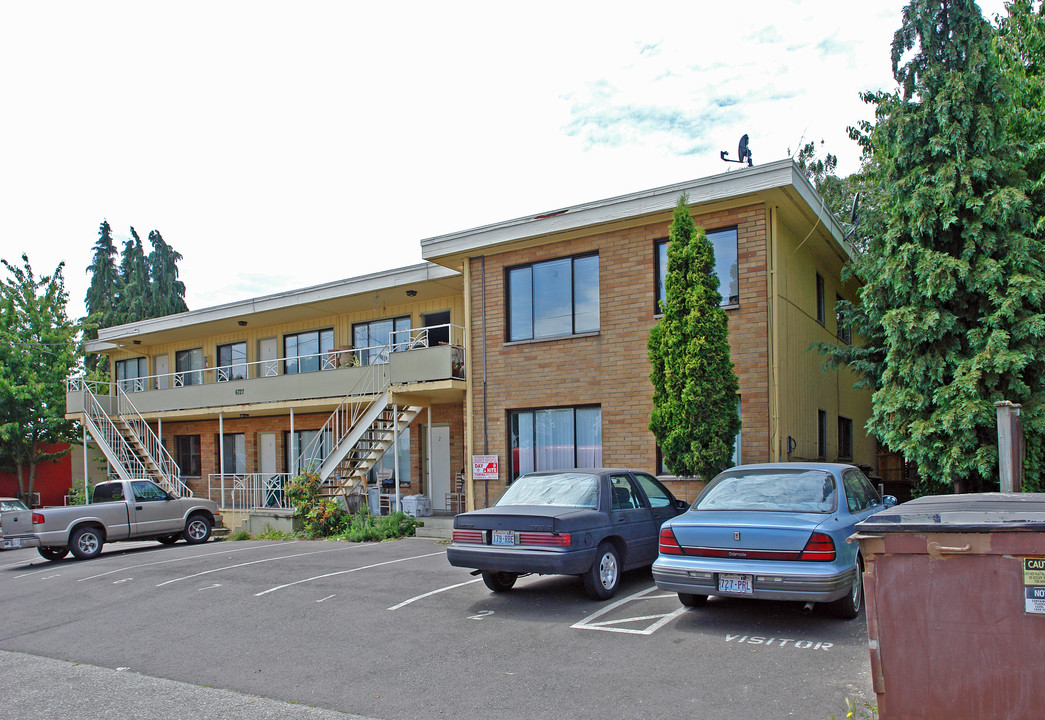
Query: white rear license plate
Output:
(503,537)
(735,584)
(13,543)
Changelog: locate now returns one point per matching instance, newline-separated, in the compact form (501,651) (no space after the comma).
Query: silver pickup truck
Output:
(119,510)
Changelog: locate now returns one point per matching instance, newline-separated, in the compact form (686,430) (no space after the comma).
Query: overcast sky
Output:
(281,145)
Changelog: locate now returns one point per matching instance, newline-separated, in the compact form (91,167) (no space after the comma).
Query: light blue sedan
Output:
(773,532)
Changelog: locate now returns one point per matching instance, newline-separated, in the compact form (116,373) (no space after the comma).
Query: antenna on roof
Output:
(743,151)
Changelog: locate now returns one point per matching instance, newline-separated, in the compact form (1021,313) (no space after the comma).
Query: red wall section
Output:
(53,480)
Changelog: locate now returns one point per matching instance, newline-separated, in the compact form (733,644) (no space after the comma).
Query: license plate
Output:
(735,584)
(13,543)
(503,537)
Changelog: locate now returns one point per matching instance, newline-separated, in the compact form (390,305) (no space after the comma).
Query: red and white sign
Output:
(484,467)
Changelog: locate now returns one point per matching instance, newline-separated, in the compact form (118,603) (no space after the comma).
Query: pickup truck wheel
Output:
(86,542)
(52,553)
(197,530)
(168,539)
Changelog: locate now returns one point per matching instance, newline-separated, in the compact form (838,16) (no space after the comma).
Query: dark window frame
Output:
(821,434)
(660,270)
(228,371)
(842,329)
(533,337)
(294,361)
(845,438)
(187,453)
(363,354)
(513,471)
(821,300)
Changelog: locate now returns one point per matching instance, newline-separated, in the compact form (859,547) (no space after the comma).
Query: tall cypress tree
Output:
(954,287)
(103,293)
(167,292)
(695,418)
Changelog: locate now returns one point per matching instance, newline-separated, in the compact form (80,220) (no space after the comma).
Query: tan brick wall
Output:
(611,368)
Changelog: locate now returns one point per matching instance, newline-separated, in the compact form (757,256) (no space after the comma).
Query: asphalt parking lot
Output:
(391,630)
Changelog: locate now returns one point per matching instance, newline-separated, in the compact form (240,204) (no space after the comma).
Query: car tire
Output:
(690,600)
(54,554)
(603,578)
(197,530)
(848,607)
(86,542)
(500,581)
(168,539)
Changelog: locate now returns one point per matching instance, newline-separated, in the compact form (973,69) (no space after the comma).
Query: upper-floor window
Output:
(305,351)
(188,366)
(724,243)
(131,374)
(843,331)
(371,339)
(553,298)
(821,310)
(232,362)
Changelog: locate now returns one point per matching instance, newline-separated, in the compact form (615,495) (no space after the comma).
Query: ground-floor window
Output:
(845,438)
(187,455)
(385,468)
(234,449)
(555,438)
(304,452)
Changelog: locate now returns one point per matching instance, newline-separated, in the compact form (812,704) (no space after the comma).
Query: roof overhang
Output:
(781,183)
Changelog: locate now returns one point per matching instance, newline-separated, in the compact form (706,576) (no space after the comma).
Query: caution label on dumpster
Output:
(1034,585)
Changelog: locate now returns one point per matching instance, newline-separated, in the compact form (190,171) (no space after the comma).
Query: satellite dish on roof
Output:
(743,151)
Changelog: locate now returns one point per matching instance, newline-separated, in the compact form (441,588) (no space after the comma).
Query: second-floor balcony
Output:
(408,358)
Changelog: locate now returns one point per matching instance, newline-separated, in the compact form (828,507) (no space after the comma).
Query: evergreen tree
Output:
(103,293)
(167,292)
(954,287)
(37,352)
(134,282)
(695,418)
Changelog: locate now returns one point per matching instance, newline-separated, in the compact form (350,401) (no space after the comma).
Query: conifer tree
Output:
(954,288)
(167,292)
(103,293)
(134,282)
(695,418)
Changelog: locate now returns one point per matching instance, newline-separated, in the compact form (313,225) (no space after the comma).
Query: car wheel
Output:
(168,539)
(500,581)
(601,581)
(197,530)
(52,553)
(690,600)
(86,542)
(848,607)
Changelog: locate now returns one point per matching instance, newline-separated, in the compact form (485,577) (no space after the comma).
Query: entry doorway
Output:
(440,471)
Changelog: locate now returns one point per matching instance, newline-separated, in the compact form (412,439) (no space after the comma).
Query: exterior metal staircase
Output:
(130,446)
(357,434)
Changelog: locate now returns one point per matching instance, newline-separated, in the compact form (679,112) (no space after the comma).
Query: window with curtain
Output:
(555,438)
(234,449)
(554,298)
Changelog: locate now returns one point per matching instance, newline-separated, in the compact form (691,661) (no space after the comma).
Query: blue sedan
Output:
(773,532)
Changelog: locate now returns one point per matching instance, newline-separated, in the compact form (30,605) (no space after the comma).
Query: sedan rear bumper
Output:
(767,582)
(541,562)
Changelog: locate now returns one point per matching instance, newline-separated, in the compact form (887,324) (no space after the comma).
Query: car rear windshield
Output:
(561,489)
(786,490)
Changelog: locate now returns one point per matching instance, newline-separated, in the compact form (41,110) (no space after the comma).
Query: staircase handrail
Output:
(374,382)
(110,434)
(150,442)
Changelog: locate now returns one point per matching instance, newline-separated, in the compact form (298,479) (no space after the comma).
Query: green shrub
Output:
(240,535)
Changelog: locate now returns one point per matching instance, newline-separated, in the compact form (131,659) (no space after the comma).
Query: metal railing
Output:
(249,491)
(152,446)
(114,445)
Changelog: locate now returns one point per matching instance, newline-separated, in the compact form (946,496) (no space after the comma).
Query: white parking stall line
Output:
(183,559)
(345,572)
(252,562)
(661,619)
(433,592)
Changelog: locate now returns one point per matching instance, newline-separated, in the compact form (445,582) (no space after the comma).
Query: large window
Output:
(370,338)
(131,374)
(555,439)
(232,362)
(234,449)
(724,243)
(188,365)
(304,452)
(554,298)
(187,454)
(305,352)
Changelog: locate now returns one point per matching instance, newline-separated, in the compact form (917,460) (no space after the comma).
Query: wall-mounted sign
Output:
(1034,585)
(484,467)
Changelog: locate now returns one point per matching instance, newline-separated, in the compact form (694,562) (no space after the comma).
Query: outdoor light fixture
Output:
(411,293)
(242,323)
(136,342)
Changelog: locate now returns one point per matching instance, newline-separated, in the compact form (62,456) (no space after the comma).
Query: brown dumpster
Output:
(955,604)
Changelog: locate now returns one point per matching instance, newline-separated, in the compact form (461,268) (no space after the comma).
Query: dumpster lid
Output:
(975,512)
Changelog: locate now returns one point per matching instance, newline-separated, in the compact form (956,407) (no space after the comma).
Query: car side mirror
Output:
(682,505)
(889,501)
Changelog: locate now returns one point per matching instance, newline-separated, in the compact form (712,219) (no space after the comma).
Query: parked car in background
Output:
(773,532)
(594,523)
(9,504)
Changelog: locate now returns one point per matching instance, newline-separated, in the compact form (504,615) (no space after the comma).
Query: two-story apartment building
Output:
(524,340)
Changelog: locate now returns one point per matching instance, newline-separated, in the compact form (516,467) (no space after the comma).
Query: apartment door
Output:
(161,365)
(271,487)
(441,473)
(267,354)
